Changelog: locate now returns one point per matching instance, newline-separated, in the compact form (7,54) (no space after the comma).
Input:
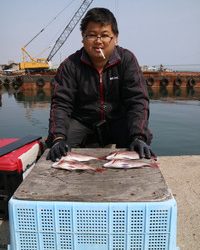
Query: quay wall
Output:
(153,79)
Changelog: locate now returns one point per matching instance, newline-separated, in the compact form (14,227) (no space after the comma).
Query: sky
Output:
(157,31)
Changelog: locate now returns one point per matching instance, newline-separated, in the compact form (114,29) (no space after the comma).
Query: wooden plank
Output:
(45,183)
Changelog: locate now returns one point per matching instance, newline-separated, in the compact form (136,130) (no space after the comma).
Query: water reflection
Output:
(39,95)
(33,96)
(163,91)
(26,111)
(191,92)
(0,99)
(175,92)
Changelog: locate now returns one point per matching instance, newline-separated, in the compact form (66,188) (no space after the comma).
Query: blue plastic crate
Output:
(38,225)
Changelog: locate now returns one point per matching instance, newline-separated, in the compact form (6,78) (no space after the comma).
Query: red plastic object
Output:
(10,161)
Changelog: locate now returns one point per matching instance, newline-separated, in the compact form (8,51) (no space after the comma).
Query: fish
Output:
(127,164)
(72,156)
(72,165)
(121,155)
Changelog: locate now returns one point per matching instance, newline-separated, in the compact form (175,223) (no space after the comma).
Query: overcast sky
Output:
(156,31)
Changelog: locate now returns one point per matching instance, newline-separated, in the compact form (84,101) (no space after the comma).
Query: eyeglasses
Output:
(103,38)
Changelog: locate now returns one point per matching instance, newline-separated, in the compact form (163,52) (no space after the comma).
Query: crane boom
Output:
(69,28)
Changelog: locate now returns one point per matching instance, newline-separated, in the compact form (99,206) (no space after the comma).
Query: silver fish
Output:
(72,156)
(126,164)
(120,155)
(71,165)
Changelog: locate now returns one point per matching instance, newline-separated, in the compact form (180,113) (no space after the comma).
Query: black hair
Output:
(99,15)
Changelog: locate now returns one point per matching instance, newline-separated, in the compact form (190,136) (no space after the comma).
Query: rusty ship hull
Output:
(171,79)
(153,79)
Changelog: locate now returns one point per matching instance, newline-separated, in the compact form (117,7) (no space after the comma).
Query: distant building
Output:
(9,67)
(149,68)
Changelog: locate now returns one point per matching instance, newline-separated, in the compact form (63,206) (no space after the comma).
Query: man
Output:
(99,93)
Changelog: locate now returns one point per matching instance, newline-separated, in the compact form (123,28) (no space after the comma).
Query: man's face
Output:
(99,38)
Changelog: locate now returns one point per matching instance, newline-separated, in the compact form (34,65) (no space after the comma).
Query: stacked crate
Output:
(109,210)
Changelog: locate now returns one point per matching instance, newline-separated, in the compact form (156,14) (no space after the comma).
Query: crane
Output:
(43,63)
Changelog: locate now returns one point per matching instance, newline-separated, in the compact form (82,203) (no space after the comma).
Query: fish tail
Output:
(154,165)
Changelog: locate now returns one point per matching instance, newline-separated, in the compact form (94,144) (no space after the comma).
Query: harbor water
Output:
(174,117)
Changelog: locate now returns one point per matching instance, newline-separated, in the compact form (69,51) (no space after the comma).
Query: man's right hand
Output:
(59,149)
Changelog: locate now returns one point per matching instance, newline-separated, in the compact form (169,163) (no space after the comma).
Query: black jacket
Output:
(83,93)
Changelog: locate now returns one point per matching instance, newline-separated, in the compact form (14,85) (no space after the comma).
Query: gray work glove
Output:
(141,148)
(59,149)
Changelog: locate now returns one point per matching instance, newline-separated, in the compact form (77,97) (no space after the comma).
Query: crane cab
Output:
(30,63)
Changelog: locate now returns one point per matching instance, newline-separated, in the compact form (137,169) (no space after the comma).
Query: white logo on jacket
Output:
(114,78)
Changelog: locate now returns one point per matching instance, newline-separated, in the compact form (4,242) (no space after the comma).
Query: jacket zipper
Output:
(102,101)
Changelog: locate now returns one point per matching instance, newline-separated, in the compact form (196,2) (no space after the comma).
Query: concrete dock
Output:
(182,174)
